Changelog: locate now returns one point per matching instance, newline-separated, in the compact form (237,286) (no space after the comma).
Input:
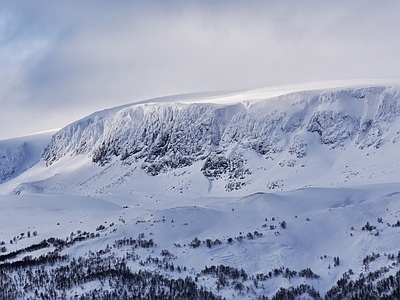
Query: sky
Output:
(62,60)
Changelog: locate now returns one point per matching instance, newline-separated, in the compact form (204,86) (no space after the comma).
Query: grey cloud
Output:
(64,60)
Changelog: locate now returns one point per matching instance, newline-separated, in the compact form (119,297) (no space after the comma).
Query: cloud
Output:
(63,60)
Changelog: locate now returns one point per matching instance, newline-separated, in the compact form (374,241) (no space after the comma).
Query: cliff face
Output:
(173,135)
(164,136)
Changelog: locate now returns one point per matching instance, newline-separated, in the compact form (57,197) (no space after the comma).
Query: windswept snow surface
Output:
(276,181)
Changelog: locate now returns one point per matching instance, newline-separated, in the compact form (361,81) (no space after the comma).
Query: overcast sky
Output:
(61,60)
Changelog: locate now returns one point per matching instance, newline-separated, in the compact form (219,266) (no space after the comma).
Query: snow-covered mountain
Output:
(319,137)
(276,182)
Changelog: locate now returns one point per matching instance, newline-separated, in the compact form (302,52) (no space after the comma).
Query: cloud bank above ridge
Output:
(63,60)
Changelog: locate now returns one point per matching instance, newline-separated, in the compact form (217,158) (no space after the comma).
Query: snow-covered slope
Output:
(281,193)
(19,154)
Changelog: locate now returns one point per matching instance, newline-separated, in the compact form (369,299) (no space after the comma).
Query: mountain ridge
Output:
(284,131)
(162,137)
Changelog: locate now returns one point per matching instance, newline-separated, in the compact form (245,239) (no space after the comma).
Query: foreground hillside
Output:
(270,193)
(312,242)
